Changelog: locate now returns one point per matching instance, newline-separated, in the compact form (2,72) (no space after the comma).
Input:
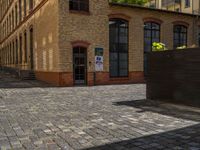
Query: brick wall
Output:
(44,21)
(174,76)
(56,29)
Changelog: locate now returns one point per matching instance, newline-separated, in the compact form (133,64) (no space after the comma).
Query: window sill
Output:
(80,12)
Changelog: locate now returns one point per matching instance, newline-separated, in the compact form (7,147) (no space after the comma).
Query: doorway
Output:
(80,65)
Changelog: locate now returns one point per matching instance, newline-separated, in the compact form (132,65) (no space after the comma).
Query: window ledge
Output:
(80,12)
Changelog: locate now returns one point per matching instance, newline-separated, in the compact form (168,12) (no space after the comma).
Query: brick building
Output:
(57,40)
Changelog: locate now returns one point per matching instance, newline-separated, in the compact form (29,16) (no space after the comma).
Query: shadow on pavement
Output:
(182,112)
(187,138)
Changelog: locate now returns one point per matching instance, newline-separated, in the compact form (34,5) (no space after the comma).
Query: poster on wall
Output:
(98,59)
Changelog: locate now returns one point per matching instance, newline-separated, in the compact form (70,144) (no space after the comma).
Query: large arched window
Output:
(118,47)
(180,36)
(151,34)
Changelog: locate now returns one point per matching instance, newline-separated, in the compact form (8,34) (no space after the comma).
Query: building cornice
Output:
(119,15)
(150,9)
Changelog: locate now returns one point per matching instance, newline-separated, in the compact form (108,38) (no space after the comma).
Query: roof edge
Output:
(151,9)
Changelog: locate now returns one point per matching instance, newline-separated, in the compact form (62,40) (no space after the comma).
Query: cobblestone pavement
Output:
(39,117)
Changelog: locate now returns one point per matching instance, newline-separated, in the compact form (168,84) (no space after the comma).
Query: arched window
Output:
(25,47)
(30,5)
(16,49)
(180,36)
(31,46)
(118,47)
(151,34)
(79,5)
(20,49)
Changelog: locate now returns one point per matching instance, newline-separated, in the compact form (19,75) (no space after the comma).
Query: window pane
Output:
(151,34)
(147,33)
(118,47)
(180,36)
(123,72)
(155,26)
(80,5)
(113,56)
(113,68)
(147,25)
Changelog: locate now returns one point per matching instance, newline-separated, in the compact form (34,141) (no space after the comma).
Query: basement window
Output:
(79,5)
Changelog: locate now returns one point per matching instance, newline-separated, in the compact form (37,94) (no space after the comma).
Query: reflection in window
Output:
(151,34)
(79,5)
(180,36)
(118,48)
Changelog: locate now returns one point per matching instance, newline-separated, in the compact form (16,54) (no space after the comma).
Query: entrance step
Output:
(27,75)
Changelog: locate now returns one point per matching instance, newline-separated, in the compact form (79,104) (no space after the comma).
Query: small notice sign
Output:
(98,59)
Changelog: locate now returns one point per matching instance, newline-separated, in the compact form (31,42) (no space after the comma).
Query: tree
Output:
(138,2)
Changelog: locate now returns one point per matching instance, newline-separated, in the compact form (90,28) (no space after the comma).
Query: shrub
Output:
(156,46)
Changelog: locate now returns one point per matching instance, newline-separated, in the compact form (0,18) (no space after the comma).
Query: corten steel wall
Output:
(174,76)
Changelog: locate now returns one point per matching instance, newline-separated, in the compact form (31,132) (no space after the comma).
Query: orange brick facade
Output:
(101,78)
(54,41)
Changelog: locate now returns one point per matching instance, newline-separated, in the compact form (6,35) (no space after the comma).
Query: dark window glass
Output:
(80,5)
(13,52)
(24,8)
(31,42)
(16,44)
(199,36)
(20,49)
(187,3)
(118,48)
(20,10)
(180,36)
(16,15)
(151,34)
(25,47)
(30,4)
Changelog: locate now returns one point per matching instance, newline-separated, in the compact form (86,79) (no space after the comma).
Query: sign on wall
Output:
(98,59)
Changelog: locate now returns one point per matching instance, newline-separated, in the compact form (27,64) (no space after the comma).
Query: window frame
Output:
(151,30)
(151,39)
(187,4)
(118,47)
(179,36)
(78,3)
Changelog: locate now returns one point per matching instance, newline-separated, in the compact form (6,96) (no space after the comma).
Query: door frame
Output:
(86,66)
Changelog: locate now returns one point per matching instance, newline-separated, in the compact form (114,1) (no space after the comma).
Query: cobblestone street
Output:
(34,115)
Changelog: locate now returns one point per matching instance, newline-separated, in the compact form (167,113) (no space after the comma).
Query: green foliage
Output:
(138,2)
(158,47)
